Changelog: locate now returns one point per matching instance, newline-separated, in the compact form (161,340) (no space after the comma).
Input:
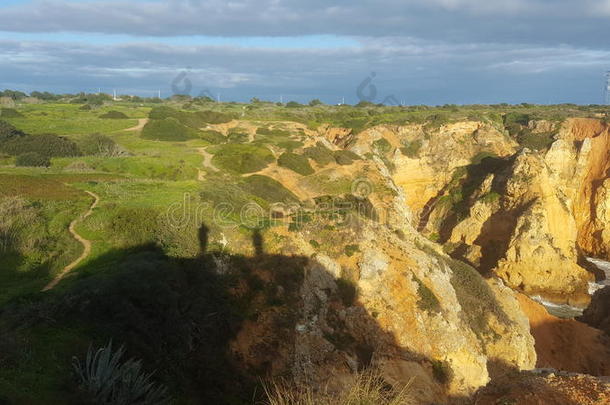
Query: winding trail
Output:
(140,126)
(86,244)
(207,163)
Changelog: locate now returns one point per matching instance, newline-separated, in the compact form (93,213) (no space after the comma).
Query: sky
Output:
(399,51)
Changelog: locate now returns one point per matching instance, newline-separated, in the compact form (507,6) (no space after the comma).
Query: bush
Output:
(268,189)
(368,388)
(315,102)
(345,157)
(411,149)
(195,120)
(241,158)
(296,163)
(8,131)
(293,104)
(319,154)
(10,113)
(108,380)
(236,136)
(32,159)
(114,115)
(382,146)
(213,137)
(85,107)
(47,145)
(168,129)
(100,145)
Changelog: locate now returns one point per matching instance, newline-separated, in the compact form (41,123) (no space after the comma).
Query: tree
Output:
(315,102)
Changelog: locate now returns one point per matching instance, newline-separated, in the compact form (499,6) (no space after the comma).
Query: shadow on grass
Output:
(213,327)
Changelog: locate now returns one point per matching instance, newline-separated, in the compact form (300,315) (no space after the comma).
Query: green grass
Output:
(345,157)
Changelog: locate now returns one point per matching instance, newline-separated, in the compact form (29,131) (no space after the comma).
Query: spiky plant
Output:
(109,381)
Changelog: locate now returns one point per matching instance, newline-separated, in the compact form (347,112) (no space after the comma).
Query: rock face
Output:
(395,302)
(528,217)
(375,292)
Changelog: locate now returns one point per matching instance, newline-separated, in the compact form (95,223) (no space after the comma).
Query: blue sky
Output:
(422,51)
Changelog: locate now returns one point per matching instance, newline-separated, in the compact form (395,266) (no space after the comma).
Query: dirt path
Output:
(207,162)
(140,126)
(86,244)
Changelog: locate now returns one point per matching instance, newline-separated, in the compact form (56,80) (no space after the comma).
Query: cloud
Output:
(414,70)
(540,21)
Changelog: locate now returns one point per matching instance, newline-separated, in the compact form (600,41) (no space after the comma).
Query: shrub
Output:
(108,380)
(168,129)
(530,140)
(293,104)
(268,189)
(8,131)
(47,145)
(242,158)
(213,137)
(411,149)
(195,119)
(10,113)
(367,388)
(114,115)
(315,102)
(382,146)
(427,300)
(350,250)
(345,157)
(32,159)
(236,136)
(85,107)
(100,145)
(319,154)
(296,163)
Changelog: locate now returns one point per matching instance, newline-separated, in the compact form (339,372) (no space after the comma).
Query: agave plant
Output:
(110,381)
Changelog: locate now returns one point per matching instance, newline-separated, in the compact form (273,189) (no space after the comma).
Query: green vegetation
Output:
(32,159)
(320,154)
(350,250)
(114,115)
(8,131)
(345,157)
(196,120)
(107,379)
(241,158)
(47,145)
(168,129)
(411,149)
(296,163)
(10,113)
(382,146)
(213,137)
(427,300)
(268,189)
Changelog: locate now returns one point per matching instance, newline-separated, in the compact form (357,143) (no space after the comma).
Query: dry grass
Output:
(369,388)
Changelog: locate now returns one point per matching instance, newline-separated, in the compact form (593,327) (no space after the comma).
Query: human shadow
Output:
(213,335)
